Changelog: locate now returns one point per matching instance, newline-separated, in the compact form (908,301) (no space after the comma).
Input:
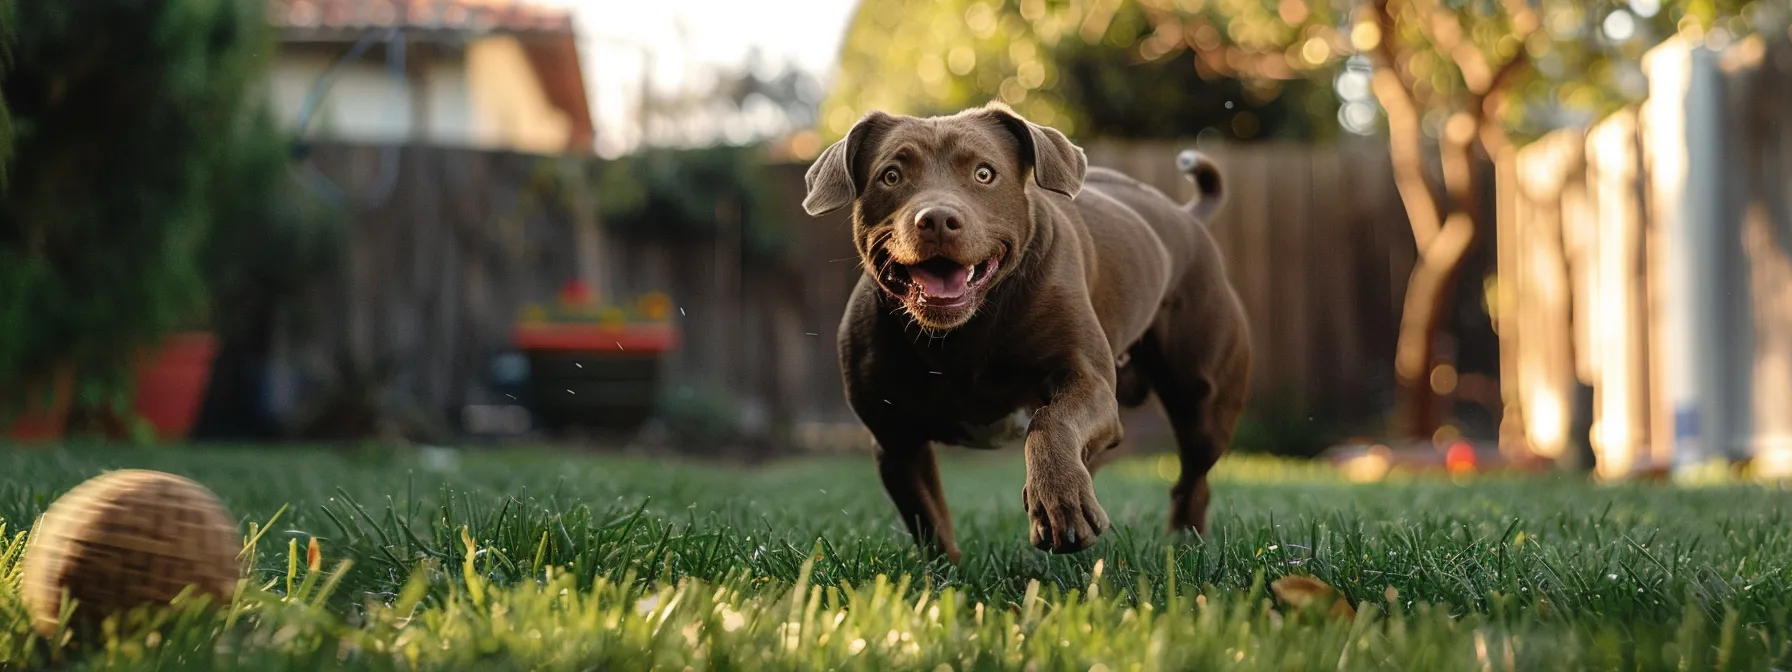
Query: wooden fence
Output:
(438,269)
(1318,247)
(1645,300)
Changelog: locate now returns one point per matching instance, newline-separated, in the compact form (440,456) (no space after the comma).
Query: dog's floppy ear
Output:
(833,180)
(1057,164)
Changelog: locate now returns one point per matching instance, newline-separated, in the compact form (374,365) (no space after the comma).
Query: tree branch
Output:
(1489,103)
(1502,78)
(1406,141)
(1406,135)
(1524,20)
(1473,66)
(1454,148)
(1227,60)
(1425,308)
(1444,29)
(1386,48)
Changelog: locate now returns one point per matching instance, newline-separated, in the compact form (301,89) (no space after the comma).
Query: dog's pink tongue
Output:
(948,286)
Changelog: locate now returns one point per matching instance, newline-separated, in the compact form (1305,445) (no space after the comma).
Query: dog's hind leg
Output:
(1131,386)
(912,477)
(1202,416)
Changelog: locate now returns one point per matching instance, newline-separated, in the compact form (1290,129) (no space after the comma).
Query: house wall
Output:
(483,97)
(363,105)
(512,107)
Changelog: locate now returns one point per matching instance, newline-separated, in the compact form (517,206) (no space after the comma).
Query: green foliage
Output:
(549,561)
(1279,428)
(1110,93)
(127,119)
(1086,68)
(700,414)
(271,238)
(1565,67)
(683,195)
(1071,64)
(6,39)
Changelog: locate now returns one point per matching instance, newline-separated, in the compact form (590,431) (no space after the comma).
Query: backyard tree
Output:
(1454,82)
(125,118)
(1447,81)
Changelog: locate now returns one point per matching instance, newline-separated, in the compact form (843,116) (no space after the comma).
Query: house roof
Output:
(333,18)
(545,33)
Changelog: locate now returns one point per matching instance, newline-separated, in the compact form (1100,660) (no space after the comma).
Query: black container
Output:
(598,390)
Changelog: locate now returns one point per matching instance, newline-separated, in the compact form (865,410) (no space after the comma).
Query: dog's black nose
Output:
(938,218)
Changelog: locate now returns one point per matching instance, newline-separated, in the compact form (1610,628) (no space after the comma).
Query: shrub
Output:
(6,38)
(124,119)
(1278,427)
(675,195)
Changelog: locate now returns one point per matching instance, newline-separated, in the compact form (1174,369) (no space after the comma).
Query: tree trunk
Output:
(1442,246)
(1424,314)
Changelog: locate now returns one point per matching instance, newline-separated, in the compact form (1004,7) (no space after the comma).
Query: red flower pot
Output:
(43,421)
(171,383)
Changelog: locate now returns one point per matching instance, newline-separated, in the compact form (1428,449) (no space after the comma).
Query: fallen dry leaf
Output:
(1300,591)
(1305,592)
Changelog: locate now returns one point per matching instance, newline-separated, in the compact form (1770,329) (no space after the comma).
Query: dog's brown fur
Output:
(1098,290)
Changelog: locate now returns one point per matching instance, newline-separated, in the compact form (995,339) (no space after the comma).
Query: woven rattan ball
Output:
(129,538)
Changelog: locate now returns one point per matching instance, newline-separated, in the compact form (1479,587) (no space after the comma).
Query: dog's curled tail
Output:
(1210,191)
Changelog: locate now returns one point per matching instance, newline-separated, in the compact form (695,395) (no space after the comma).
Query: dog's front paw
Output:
(1065,516)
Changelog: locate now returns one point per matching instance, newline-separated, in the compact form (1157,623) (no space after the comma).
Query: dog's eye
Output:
(985,174)
(891,177)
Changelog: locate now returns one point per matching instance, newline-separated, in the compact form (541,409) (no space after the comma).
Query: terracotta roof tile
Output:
(477,16)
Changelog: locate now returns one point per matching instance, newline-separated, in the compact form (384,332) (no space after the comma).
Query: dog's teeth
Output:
(972,275)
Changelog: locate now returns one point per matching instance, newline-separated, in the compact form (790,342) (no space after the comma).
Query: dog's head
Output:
(941,209)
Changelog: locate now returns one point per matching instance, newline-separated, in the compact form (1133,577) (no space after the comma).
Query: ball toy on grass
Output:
(125,539)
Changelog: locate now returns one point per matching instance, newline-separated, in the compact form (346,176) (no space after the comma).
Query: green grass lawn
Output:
(554,561)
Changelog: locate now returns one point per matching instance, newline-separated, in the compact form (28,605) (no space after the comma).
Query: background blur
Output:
(1512,232)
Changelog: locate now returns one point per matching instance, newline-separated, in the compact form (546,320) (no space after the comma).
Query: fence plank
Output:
(1673,218)
(438,271)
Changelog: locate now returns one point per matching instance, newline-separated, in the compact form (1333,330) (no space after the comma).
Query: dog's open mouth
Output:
(938,282)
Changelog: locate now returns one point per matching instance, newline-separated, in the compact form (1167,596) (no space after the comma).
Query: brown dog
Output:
(989,302)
